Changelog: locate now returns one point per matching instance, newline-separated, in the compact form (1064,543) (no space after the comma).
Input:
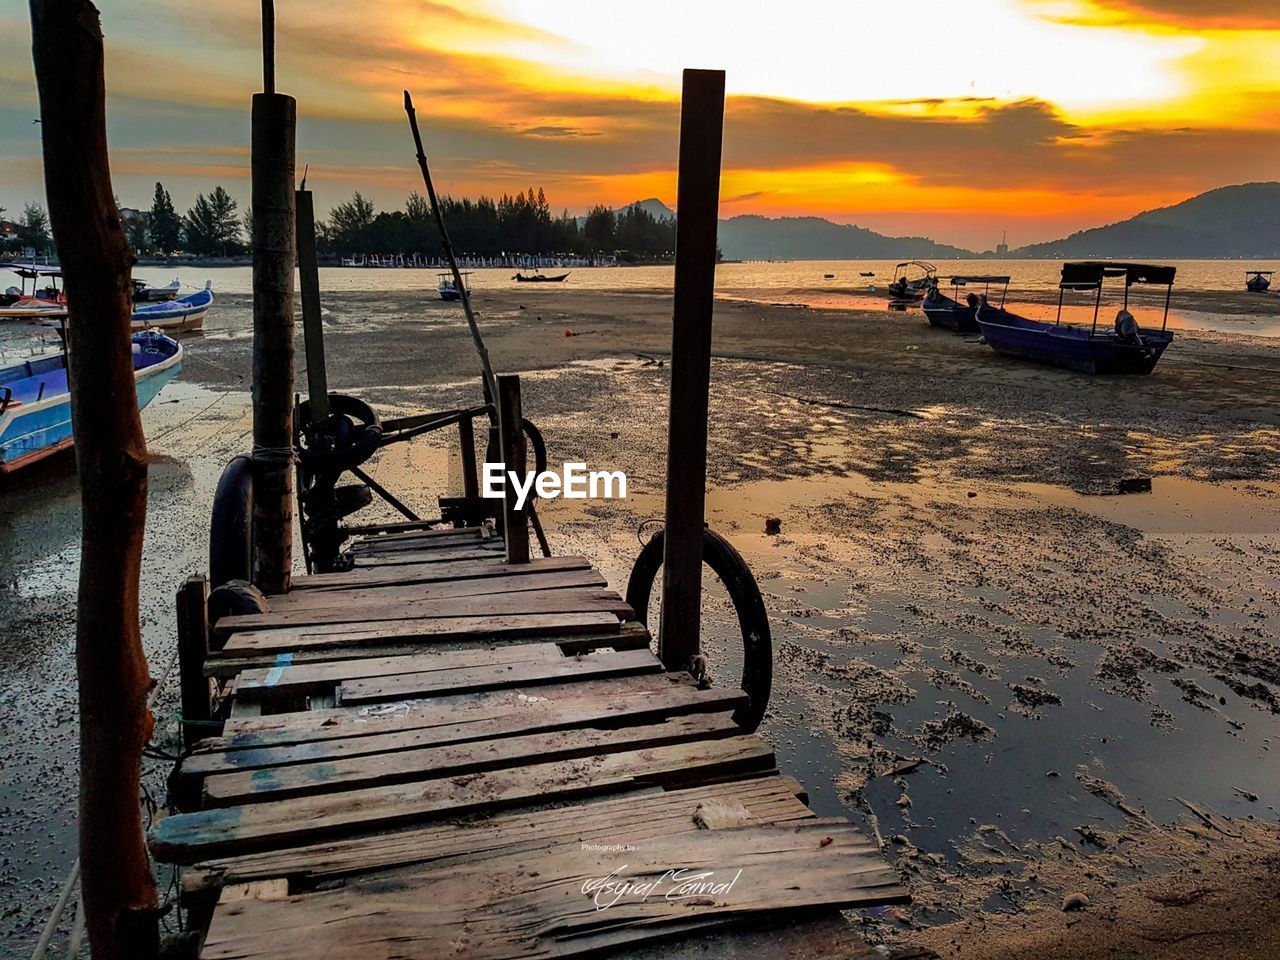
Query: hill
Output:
(750,237)
(1237,221)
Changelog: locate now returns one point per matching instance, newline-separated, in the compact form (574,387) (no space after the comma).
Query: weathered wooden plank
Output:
(334,775)
(454,555)
(252,642)
(411,526)
(574,600)
(547,909)
(537,716)
(376,598)
(490,677)
(459,710)
(186,838)
(429,572)
(627,636)
(398,543)
(617,821)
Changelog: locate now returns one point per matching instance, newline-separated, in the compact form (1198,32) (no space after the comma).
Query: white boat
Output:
(175,316)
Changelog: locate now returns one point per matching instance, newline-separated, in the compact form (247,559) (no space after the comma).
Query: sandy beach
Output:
(1029,684)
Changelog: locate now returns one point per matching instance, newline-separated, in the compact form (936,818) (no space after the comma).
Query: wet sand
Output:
(983,650)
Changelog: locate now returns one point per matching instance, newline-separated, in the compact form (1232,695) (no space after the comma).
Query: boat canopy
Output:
(1089,275)
(1257,273)
(923,264)
(30,271)
(970,278)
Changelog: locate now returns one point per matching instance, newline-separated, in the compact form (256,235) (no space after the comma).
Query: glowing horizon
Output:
(959,120)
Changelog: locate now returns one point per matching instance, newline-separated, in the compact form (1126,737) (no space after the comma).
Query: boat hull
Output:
(174,316)
(1069,346)
(538,278)
(949,314)
(1258,286)
(40,424)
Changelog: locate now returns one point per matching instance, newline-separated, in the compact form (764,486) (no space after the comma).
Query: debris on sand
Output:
(956,725)
(1027,699)
(1074,901)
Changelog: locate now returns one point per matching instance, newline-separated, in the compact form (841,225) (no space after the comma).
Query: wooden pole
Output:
(697,209)
(117,884)
(512,443)
(312,324)
(274,117)
(193,650)
(467,446)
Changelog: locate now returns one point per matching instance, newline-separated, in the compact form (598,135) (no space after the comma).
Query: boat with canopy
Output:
(911,279)
(1257,281)
(949,313)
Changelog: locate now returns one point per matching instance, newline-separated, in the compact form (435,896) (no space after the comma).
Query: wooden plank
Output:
(768,799)
(439,629)
(376,599)
(627,636)
(429,572)
(490,677)
(460,710)
(450,760)
(411,557)
(186,838)
(545,908)
(538,716)
(575,600)
(399,542)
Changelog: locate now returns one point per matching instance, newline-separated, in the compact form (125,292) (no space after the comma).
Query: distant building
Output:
(129,214)
(1002,248)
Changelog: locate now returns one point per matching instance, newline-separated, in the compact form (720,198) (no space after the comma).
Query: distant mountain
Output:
(750,237)
(654,207)
(1236,221)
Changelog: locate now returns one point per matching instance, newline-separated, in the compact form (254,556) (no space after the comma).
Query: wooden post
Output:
(193,650)
(697,208)
(274,117)
(512,444)
(312,324)
(467,446)
(117,885)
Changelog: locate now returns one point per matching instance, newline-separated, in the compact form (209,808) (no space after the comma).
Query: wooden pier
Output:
(435,753)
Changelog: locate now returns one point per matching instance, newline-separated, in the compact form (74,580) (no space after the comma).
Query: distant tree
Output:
(598,229)
(164,223)
(349,223)
(137,232)
(211,225)
(246,224)
(34,226)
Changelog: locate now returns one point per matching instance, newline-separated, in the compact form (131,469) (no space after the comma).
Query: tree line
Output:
(483,227)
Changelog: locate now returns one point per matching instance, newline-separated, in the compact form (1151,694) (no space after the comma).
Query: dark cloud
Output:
(1231,14)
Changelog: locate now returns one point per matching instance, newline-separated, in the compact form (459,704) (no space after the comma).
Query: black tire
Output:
(533,435)
(757,642)
(356,438)
(231,525)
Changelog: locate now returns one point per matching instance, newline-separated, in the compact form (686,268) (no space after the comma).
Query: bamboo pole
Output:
(117,884)
(515,527)
(697,206)
(312,321)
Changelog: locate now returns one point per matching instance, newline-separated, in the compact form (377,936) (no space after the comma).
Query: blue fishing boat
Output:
(949,313)
(1121,348)
(35,403)
(178,315)
(447,289)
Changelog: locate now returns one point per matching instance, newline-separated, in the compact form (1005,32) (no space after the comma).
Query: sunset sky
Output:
(954,119)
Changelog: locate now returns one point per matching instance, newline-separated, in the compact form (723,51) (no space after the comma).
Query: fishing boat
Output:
(38,302)
(866,273)
(35,403)
(447,289)
(179,315)
(1257,281)
(539,277)
(949,313)
(911,280)
(145,294)
(1121,348)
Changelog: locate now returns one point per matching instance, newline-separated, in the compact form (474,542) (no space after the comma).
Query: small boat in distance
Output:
(35,403)
(949,313)
(180,315)
(1257,281)
(911,279)
(447,289)
(866,273)
(828,276)
(1123,348)
(538,277)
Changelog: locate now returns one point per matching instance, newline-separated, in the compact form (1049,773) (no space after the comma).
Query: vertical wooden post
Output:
(193,650)
(697,209)
(116,883)
(312,324)
(274,117)
(512,443)
(467,446)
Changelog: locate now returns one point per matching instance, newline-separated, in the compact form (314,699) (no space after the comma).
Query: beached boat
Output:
(35,404)
(177,316)
(539,278)
(1257,281)
(866,273)
(145,294)
(911,279)
(447,289)
(33,302)
(949,313)
(1122,348)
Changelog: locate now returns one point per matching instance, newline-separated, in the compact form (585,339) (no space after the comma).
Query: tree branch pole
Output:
(697,208)
(274,245)
(117,884)
(486,368)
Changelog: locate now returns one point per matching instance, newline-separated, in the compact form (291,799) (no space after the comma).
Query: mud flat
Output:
(1031,684)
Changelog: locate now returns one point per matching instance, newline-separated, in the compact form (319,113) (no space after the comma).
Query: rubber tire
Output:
(757,642)
(231,524)
(533,435)
(363,440)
